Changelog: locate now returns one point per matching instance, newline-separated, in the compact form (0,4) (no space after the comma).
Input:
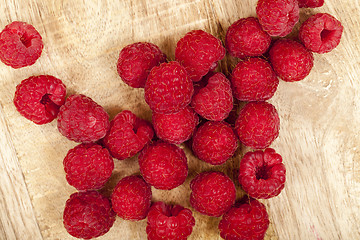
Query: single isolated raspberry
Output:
(258,125)
(215,100)
(88,166)
(88,215)
(168,88)
(128,134)
(38,98)
(136,60)
(262,174)
(291,61)
(213,193)
(176,127)
(131,198)
(278,17)
(20,45)
(169,222)
(81,119)
(214,142)
(199,52)
(254,80)
(321,33)
(247,220)
(310,3)
(246,38)
(163,165)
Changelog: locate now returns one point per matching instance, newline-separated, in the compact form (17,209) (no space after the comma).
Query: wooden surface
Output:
(320,116)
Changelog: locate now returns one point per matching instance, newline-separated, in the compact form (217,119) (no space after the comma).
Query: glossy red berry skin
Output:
(257,125)
(199,52)
(213,193)
(39,98)
(247,220)
(20,45)
(131,198)
(262,174)
(169,222)
(88,215)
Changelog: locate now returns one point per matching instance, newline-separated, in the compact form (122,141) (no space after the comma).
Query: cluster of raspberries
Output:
(189,102)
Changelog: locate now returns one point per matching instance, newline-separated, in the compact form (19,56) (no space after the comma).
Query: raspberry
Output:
(254,80)
(166,222)
(213,193)
(38,98)
(214,142)
(163,165)
(214,101)
(128,134)
(168,88)
(88,166)
(175,127)
(310,3)
(278,17)
(247,220)
(262,173)
(321,33)
(131,198)
(258,125)
(20,45)
(245,38)
(81,119)
(88,215)
(291,61)
(135,62)
(199,52)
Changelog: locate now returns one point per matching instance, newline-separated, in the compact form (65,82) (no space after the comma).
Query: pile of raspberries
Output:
(190,102)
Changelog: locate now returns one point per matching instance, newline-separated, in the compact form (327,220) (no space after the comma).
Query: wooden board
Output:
(320,116)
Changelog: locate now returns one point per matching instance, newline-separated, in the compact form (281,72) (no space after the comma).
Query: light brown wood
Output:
(320,116)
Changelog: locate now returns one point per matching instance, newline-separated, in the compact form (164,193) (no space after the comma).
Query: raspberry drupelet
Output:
(136,60)
(199,52)
(262,173)
(20,45)
(39,98)
(88,215)
(169,222)
(131,198)
(128,134)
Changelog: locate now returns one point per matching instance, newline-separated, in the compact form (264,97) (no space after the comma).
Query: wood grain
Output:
(320,116)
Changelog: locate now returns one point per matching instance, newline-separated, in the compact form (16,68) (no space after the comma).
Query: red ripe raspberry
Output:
(81,119)
(278,17)
(258,125)
(254,80)
(262,173)
(199,52)
(166,222)
(131,198)
(38,98)
(321,33)
(214,101)
(245,38)
(214,142)
(88,215)
(135,62)
(213,193)
(291,61)
(88,166)
(247,220)
(168,88)
(163,165)
(20,45)
(128,134)
(175,127)
(310,3)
